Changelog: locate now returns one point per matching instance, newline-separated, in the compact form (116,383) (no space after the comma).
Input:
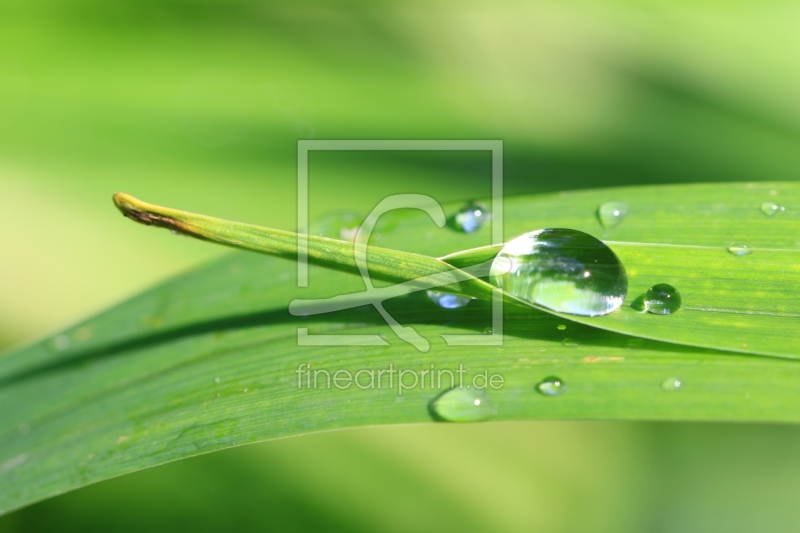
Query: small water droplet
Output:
(342,225)
(740,248)
(569,343)
(61,342)
(447,300)
(551,386)
(562,269)
(463,405)
(662,299)
(561,327)
(671,384)
(771,208)
(610,214)
(472,217)
(216,380)
(488,331)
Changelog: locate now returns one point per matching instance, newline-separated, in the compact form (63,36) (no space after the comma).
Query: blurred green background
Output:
(199,104)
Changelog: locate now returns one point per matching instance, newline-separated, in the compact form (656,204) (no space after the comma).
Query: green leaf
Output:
(680,235)
(209,360)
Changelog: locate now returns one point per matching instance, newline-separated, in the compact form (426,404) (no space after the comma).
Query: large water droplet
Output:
(472,217)
(447,300)
(671,384)
(561,327)
(551,386)
(562,269)
(610,214)
(740,248)
(771,208)
(463,405)
(662,299)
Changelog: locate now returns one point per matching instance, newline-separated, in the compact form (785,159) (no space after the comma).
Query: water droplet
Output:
(662,299)
(740,248)
(61,342)
(447,300)
(551,386)
(463,405)
(671,384)
(488,331)
(216,380)
(610,214)
(561,327)
(569,343)
(562,269)
(771,208)
(342,226)
(472,217)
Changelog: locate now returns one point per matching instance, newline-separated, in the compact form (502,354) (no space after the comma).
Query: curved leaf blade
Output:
(209,360)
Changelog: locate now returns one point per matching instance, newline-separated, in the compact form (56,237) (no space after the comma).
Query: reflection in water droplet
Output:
(569,343)
(671,384)
(447,300)
(562,269)
(488,331)
(771,208)
(662,299)
(463,405)
(740,248)
(61,342)
(551,386)
(561,327)
(472,217)
(610,214)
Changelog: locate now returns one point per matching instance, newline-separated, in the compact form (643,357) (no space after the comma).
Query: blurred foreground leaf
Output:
(209,360)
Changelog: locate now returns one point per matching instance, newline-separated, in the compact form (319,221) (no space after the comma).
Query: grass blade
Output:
(209,360)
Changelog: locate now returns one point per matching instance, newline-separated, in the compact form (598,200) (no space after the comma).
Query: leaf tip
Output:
(145,213)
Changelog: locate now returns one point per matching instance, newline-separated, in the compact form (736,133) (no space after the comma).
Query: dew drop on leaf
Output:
(339,225)
(610,214)
(472,217)
(662,299)
(561,327)
(562,269)
(671,384)
(740,248)
(61,342)
(447,300)
(569,343)
(551,386)
(771,208)
(463,405)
